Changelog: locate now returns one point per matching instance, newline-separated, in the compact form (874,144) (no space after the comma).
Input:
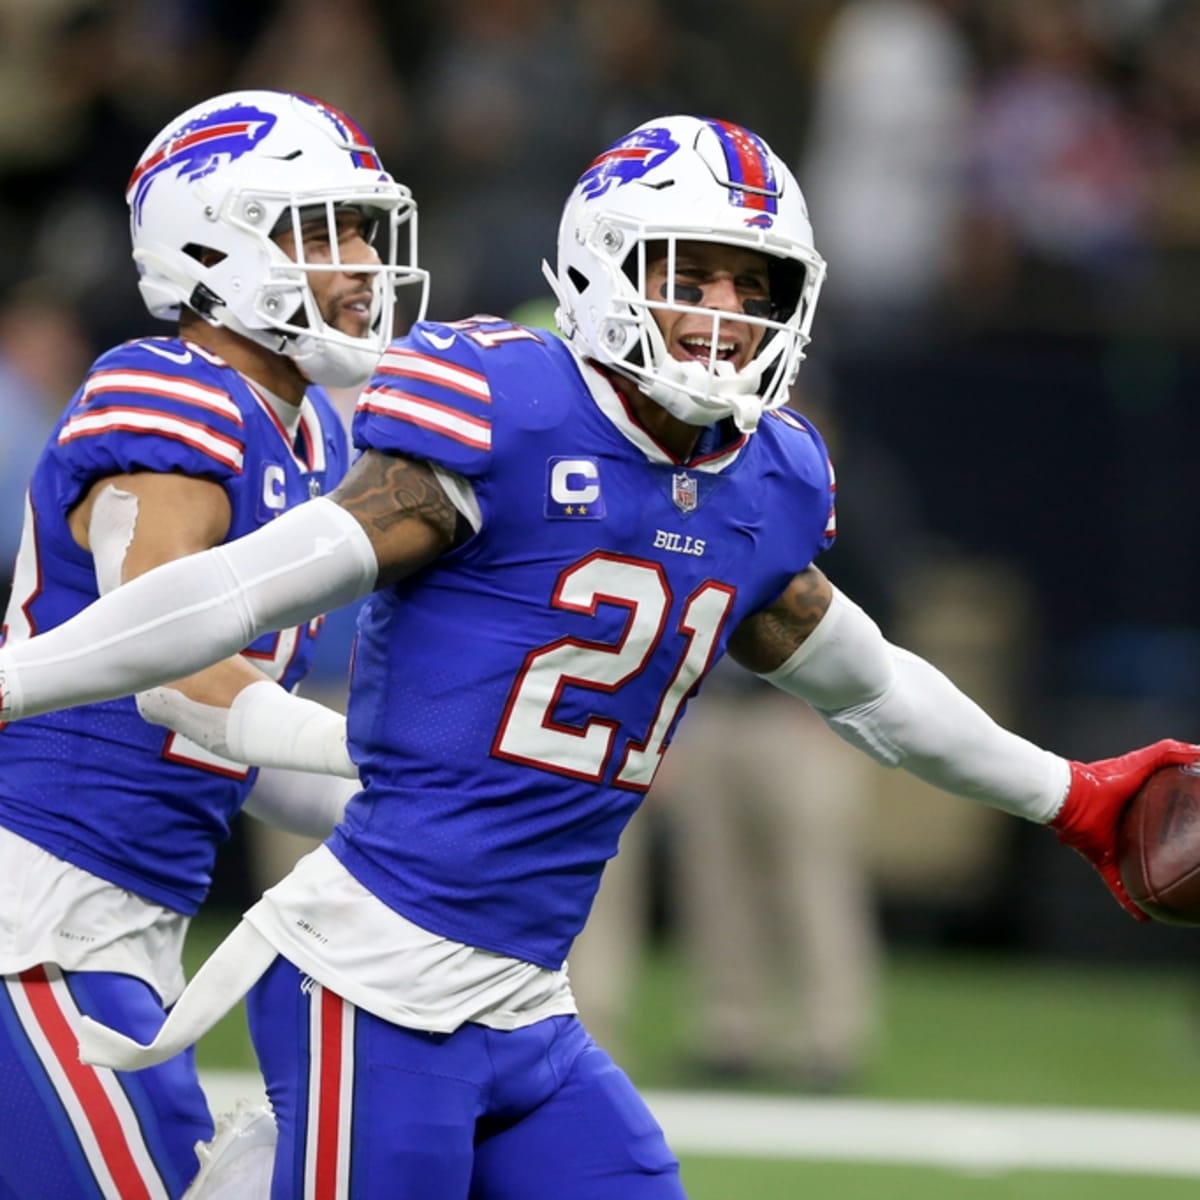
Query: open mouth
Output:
(700,348)
(354,313)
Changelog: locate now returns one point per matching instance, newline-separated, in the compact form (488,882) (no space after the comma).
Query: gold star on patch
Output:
(570,511)
(583,510)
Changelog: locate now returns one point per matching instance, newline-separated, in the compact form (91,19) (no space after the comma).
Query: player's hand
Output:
(1099,791)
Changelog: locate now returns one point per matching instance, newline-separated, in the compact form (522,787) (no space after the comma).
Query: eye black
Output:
(688,293)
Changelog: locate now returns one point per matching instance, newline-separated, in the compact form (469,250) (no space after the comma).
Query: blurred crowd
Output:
(1026,163)
(1007,193)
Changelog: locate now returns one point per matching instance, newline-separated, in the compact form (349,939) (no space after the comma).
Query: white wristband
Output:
(270,727)
(265,726)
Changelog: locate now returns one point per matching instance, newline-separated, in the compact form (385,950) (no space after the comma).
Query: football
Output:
(1158,846)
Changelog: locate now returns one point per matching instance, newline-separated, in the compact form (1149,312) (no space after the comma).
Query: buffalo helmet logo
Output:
(199,147)
(627,160)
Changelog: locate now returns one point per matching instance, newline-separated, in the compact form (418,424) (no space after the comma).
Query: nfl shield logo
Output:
(683,492)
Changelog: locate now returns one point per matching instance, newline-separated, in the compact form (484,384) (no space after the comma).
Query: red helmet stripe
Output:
(177,144)
(748,164)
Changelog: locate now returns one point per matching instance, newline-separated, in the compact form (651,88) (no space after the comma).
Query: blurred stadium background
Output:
(1006,360)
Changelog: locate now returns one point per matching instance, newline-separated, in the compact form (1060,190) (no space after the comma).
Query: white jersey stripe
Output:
(330,1095)
(831,524)
(207,355)
(346,1091)
(471,431)
(171,387)
(308,427)
(433,370)
(94,1102)
(135,420)
(314,438)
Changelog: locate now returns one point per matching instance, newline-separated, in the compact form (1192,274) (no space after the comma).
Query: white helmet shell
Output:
(672,180)
(215,187)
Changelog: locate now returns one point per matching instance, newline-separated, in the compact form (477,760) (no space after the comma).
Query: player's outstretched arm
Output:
(133,523)
(818,645)
(383,523)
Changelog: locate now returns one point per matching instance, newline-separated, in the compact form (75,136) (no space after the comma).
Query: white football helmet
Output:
(673,180)
(232,173)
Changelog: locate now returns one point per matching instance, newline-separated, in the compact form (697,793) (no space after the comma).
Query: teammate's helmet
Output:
(221,181)
(672,180)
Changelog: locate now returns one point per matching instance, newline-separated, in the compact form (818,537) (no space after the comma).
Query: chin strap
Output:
(690,391)
(331,363)
(327,358)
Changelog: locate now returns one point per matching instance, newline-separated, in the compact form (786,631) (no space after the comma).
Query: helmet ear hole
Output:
(579,279)
(205,255)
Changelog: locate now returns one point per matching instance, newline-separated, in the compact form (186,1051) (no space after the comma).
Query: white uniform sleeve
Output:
(903,712)
(192,612)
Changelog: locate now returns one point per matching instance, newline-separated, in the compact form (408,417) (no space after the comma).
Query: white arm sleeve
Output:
(904,712)
(192,612)
(299,801)
(265,726)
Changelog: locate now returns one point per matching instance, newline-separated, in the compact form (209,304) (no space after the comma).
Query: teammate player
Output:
(561,539)
(252,218)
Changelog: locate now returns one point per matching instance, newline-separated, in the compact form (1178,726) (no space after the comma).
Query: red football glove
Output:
(1099,791)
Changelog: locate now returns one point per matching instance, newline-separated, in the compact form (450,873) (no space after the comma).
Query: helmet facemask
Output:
(205,233)
(701,392)
(667,183)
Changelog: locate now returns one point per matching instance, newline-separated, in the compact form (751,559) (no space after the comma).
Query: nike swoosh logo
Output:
(170,355)
(436,339)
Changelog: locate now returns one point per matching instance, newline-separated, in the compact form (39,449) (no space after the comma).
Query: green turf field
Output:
(993,1029)
(744,1179)
(984,1029)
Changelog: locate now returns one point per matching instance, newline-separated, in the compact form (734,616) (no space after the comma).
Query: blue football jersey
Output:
(510,704)
(96,785)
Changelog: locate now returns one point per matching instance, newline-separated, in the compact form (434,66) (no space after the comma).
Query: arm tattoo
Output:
(384,491)
(767,639)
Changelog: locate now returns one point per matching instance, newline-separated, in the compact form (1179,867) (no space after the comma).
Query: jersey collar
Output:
(614,406)
(299,426)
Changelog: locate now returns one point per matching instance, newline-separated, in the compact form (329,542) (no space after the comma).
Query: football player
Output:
(559,539)
(264,225)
